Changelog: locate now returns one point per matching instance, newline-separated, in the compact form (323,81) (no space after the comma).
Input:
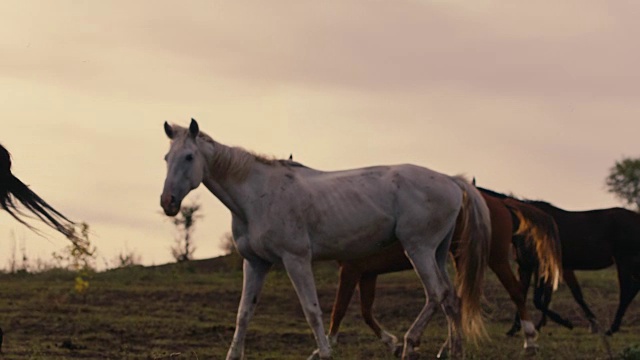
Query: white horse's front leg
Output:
(301,275)
(254,273)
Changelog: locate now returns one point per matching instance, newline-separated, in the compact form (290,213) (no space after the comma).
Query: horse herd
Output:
(383,219)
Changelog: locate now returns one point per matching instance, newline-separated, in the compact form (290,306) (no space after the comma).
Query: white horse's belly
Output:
(358,241)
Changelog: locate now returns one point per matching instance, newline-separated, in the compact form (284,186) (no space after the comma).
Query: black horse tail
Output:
(13,191)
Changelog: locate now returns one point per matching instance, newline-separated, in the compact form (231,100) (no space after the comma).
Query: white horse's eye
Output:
(189,157)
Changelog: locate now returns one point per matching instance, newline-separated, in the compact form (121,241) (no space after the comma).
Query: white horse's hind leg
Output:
(412,336)
(451,303)
(451,308)
(301,275)
(436,290)
(439,289)
(254,273)
(453,344)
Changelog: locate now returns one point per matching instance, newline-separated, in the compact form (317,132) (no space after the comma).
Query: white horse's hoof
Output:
(315,355)
(443,354)
(531,350)
(333,340)
(392,343)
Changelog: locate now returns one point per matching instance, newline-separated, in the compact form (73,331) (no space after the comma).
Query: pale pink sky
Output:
(539,98)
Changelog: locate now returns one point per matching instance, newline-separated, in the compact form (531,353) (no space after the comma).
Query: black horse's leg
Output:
(576,291)
(542,299)
(524,272)
(539,300)
(515,328)
(628,289)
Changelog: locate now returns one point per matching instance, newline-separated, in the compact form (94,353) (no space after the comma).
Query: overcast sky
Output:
(535,98)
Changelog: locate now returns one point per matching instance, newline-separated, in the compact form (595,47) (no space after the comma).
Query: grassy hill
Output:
(187,311)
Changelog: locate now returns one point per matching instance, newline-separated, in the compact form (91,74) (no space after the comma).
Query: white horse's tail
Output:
(473,237)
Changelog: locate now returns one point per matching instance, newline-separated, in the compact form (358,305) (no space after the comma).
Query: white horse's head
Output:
(185,166)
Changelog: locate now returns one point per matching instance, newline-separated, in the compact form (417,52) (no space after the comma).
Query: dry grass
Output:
(188,312)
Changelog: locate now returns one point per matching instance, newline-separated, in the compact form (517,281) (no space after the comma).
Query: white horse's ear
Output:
(194,129)
(168,130)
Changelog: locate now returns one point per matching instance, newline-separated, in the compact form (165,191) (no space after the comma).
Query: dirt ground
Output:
(187,311)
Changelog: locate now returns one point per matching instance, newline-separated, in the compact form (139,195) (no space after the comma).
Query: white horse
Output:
(283,212)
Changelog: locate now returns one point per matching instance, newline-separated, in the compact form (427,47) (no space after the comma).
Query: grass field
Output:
(187,311)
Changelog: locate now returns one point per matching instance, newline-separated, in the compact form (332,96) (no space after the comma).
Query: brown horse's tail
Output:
(473,236)
(541,233)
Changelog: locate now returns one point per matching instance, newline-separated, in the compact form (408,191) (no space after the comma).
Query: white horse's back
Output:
(354,213)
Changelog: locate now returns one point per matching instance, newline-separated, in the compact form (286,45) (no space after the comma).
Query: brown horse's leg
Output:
(503,270)
(570,279)
(367,287)
(349,277)
(628,289)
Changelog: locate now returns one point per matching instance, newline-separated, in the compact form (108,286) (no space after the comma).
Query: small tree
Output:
(128,258)
(18,264)
(183,248)
(79,257)
(13,263)
(624,181)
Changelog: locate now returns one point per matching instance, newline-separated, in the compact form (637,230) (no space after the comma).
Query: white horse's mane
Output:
(232,162)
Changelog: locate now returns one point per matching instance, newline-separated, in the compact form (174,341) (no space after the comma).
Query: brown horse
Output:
(13,191)
(508,216)
(594,240)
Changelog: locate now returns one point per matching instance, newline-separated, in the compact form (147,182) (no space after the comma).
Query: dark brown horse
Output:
(13,192)
(508,216)
(594,240)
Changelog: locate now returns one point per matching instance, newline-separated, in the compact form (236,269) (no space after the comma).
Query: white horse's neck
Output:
(232,176)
